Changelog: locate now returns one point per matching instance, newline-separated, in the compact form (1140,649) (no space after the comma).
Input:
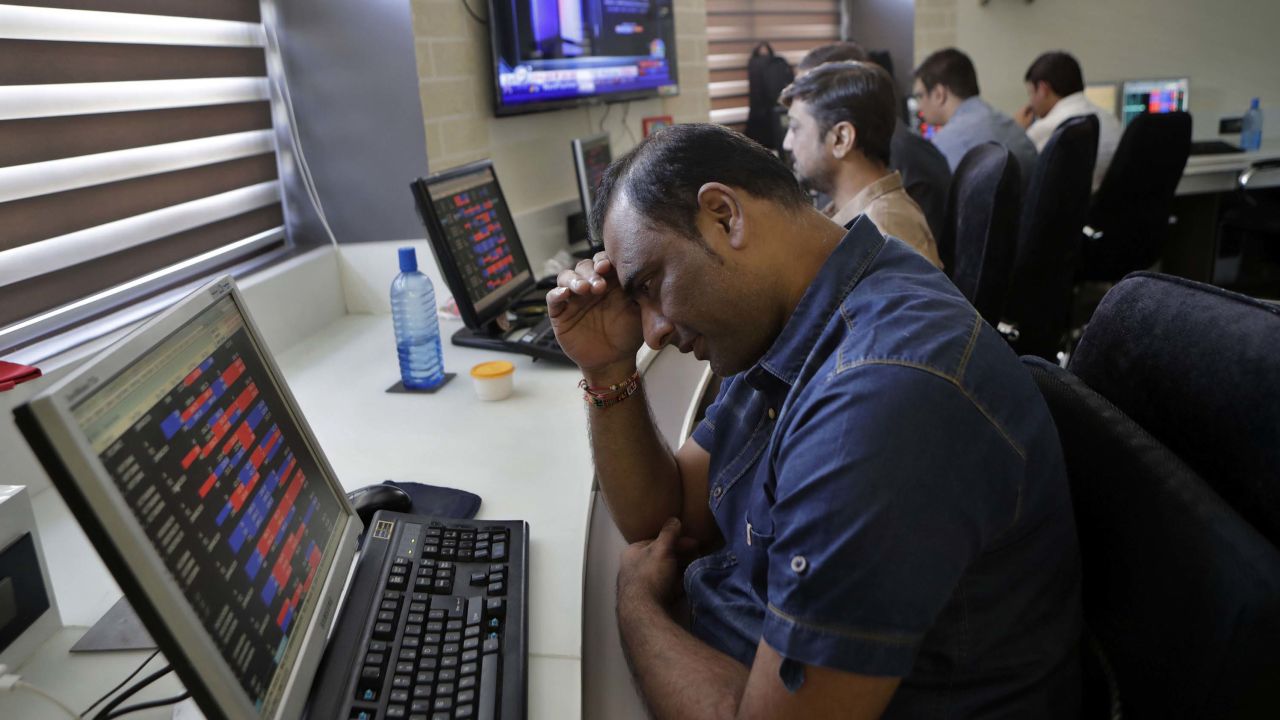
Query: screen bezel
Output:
(580,165)
(90,493)
(501,110)
(474,318)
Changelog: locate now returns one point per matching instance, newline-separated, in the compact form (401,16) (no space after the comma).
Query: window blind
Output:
(136,148)
(734,27)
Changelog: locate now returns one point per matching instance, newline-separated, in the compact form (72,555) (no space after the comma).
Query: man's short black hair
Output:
(858,93)
(951,69)
(662,175)
(1059,70)
(835,52)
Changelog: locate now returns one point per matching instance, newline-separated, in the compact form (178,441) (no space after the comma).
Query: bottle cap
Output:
(408,260)
(1254,104)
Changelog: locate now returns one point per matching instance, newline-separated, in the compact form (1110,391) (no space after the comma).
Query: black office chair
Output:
(1053,214)
(1247,252)
(1129,217)
(1199,367)
(980,233)
(1181,596)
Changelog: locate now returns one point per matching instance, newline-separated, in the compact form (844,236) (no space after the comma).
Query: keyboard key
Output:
(429,663)
(386,616)
(383,630)
(471,631)
(420,706)
(453,637)
(491,645)
(404,666)
(497,588)
(453,625)
(389,605)
(443,585)
(467,668)
(488,700)
(465,712)
(395,711)
(478,578)
(467,682)
(444,690)
(449,661)
(424,678)
(409,654)
(475,610)
(415,618)
(377,646)
(431,639)
(413,630)
(450,649)
(498,551)
(471,643)
(399,696)
(422,692)
(437,614)
(374,659)
(447,676)
(465,696)
(417,607)
(443,704)
(401,681)
(470,656)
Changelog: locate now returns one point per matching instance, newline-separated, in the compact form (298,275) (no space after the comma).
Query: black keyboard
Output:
(1213,147)
(540,341)
(448,635)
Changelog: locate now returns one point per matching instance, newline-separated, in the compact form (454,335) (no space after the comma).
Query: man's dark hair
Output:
(1059,70)
(662,175)
(858,93)
(835,52)
(952,69)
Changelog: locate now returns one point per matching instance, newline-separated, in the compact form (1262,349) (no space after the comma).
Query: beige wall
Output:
(1226,47)
(531,152)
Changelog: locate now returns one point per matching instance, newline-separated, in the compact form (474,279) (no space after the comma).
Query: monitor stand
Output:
(490,337)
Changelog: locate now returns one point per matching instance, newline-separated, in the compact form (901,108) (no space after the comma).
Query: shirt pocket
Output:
(758,532)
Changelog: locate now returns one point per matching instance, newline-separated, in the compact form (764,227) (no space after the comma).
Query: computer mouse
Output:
(372,498)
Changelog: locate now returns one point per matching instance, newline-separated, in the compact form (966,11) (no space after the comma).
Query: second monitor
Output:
(479,253)
(1153,96)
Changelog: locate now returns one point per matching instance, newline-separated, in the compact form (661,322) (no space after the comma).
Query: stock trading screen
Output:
(477,226)
(203,450)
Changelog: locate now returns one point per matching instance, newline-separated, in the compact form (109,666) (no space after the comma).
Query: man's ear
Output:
(843,139)
(720,214)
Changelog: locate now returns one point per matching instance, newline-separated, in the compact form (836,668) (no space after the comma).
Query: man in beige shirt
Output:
(841,122)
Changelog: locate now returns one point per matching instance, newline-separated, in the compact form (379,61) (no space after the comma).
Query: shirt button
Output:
(717,492)
(799,564)
(772,414)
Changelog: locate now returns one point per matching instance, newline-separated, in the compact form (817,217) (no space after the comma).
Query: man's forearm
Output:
(679,675)
(636,469)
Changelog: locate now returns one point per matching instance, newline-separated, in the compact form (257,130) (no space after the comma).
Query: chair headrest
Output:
(1199,367)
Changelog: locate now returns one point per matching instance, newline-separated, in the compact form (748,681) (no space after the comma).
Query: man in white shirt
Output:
(1055,90)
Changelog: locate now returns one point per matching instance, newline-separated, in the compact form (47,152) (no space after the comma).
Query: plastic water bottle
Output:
(413,311)
(1251,127)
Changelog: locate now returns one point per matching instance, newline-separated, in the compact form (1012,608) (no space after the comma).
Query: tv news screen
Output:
(551,54)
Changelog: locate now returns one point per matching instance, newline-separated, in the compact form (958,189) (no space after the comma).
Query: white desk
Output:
(527,457)
(1218,173)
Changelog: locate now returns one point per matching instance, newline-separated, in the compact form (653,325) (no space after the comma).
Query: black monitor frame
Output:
(579,146)
(485,321)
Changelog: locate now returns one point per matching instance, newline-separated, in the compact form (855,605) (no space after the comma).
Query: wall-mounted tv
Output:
(551,54)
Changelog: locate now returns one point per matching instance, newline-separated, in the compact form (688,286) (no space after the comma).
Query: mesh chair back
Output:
(1182,594)
(1132,206)
(1053,215)
(1199,367)
(981,228)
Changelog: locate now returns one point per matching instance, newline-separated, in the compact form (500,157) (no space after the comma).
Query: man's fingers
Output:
(667,536)
(557,301)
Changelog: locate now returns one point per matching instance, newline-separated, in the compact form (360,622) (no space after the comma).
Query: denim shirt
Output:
(893,500)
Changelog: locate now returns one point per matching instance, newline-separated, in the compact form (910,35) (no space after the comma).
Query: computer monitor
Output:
(1103,95)
(188,464)
(591,157)
(1153,96)
(474,241)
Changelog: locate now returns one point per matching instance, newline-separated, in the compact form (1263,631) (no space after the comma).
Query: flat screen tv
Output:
(551,54)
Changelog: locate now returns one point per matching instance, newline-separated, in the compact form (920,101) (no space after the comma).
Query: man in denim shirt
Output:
(878,492)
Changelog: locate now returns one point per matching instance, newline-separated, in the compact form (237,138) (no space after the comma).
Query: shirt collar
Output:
(970,106)
(868,195)
(775,373)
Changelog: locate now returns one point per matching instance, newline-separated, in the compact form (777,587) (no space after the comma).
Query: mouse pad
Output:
(441,501)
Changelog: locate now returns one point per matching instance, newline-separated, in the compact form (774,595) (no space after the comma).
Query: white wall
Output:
(1228,48)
